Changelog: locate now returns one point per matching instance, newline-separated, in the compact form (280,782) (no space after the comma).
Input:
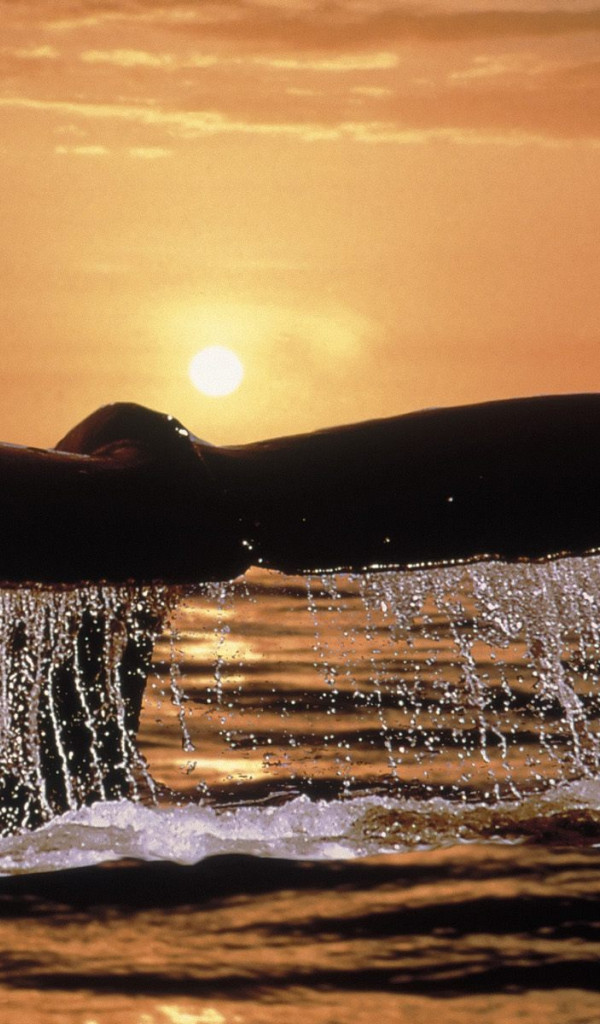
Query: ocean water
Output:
(352,797)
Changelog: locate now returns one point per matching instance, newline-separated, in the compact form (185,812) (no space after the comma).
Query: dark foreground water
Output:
(365,799)
(470,933)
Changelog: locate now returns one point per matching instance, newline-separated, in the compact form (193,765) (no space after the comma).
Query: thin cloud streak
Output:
(31,52)
(343,63)
(172,62)
(144,59)
(337,28)
(135,152)
(81,150)
(149,152)
(191,125)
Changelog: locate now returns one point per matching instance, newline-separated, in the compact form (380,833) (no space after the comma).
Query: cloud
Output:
(489,24)
(314,71)
(402,120)
(489,67)
(149,152)
(370,91)
(145,59)
(32,52)
(331,26)
(136,152)
(544,111)
(81,150)
(343,63)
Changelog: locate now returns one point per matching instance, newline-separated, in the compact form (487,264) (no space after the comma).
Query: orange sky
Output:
(381,206)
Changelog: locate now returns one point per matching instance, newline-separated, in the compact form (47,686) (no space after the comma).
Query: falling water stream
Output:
(321,716)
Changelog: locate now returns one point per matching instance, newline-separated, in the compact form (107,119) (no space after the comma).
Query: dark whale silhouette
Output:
(130,495)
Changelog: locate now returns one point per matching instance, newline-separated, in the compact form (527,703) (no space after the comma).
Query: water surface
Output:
(371,797)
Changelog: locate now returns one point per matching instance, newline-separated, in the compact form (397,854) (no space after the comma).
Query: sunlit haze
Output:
(377,206)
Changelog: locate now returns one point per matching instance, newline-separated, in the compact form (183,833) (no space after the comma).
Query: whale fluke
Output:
(130,497)
(123,496)
(514,479)
(130,494)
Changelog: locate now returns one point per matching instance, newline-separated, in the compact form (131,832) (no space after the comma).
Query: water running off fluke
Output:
(472,683)
(431,683)
(451,687)
(73,667)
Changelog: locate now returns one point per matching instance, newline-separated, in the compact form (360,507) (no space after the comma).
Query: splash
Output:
(73,665)
(524,651)
(469,683)
(406,708)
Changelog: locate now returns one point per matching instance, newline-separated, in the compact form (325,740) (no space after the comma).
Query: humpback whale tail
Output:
(129,496)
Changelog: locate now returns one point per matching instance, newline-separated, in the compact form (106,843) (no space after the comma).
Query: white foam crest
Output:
(301,828)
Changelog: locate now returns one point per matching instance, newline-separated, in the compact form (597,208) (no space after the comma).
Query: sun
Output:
(216,371)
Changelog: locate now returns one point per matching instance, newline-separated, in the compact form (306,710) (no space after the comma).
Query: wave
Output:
(302,828)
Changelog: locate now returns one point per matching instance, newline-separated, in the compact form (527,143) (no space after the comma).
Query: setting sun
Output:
(216,371)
